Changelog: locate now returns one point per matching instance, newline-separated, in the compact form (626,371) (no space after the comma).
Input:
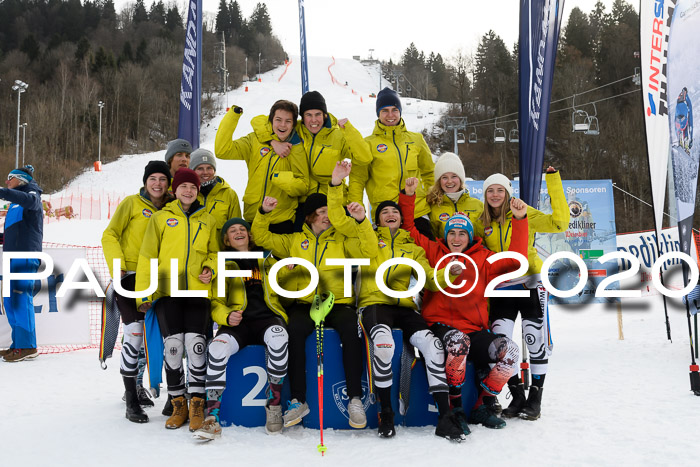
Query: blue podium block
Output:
(243,401)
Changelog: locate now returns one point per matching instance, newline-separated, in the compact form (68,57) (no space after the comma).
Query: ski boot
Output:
(516,405)
(532,408)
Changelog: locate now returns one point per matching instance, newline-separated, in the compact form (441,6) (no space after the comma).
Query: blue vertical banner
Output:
(191,83)
(540,21)
(302,46)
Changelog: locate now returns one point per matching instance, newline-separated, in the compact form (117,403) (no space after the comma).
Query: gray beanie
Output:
(175,146)
(202,156)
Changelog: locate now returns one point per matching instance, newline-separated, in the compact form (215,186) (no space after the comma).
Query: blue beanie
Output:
(460,221)
(23,174)
(387,98)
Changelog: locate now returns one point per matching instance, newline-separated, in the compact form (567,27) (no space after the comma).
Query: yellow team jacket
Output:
(497,237)
(329,244)
(286,179)
(439,213)
(397,277)
(172,234)
(123,236)
(221,202)
(330,145)
(235,297)
(397,154)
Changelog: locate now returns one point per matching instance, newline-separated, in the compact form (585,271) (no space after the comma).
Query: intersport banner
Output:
(191,82)
(302,46)
(683,88)
(654,20)
(540,21)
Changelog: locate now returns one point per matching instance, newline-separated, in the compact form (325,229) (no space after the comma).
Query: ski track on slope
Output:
(606,402)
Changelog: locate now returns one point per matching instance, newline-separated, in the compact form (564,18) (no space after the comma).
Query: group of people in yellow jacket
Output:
(297,204)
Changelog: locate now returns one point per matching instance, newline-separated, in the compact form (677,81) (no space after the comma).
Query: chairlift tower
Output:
(455,124)
(220,67)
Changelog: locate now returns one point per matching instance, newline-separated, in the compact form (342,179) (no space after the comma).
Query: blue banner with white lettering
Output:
(540,21)
(191,83)
(591,234)
(302,46)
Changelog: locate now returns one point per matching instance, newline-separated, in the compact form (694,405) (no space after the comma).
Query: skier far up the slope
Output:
(684,120)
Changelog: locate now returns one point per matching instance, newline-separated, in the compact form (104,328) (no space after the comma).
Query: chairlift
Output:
(472,137)
(460,138)
(430,110)
(420,115)
(514,134)
(592,122)
(637,78)
(579,119)
(499,135)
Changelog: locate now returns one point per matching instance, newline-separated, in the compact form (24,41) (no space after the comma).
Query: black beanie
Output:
(382,205)
(313,202)
(312,100)
(387,98)
(229,223)
(157,167)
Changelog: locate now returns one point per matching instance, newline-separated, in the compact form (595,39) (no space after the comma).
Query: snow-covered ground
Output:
(606,401)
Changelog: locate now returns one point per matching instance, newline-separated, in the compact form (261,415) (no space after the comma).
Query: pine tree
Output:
(140,13)
(173,20)
(157,13)
(223,20)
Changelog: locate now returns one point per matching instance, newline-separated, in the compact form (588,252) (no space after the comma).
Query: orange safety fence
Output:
(287,63)
(80,205)
(98,265)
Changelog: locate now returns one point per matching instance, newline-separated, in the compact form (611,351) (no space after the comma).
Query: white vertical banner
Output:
(655,19)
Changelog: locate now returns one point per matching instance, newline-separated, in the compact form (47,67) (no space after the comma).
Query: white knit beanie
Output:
(449,162)
(499,179)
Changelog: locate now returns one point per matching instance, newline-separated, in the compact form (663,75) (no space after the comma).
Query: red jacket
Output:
(470,312)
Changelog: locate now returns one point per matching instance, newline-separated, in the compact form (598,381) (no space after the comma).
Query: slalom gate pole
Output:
(319,371)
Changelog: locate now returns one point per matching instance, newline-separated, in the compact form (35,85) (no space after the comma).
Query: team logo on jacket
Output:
(305,245)
(444,216)
(381,147)
(264,152)
(172,222)
(382,243)
(488,231)
(147,212)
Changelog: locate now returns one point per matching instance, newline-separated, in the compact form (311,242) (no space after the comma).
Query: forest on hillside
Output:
(75,53)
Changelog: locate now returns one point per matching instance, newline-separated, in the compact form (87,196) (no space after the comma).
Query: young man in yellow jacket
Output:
(327,140)
(282,176)
(397,154)
(318,241)
(248,312)
(184,231)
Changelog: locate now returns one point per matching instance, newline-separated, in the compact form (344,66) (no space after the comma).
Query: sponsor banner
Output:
(654,17)
(191,82)
(58,321)
(302,46)
(591,231)
(683,89)
(643,246)
(540,21)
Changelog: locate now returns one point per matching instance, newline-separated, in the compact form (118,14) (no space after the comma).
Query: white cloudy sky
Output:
(344,28)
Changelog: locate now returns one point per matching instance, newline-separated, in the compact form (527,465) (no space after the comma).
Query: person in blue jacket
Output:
(24,231)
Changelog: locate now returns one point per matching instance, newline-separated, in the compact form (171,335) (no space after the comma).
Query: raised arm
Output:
(279,244)
(224,145)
